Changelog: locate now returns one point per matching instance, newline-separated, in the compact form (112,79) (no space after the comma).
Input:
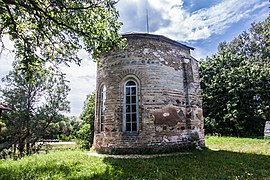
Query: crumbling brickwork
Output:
(168,95)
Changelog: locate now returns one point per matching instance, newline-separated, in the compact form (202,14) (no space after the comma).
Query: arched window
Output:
(131,107)
(102,99)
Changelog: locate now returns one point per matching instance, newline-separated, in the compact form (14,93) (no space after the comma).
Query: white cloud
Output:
(199,53)
(6,58)
(82,78)
(82,82)
(133,15)
(166,17)
(184,25)
(165,4)
(203,23)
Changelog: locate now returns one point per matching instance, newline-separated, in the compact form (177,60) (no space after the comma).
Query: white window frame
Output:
(101,115)
(125,110)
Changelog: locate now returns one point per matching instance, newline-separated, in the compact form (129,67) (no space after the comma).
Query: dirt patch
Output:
(133,156)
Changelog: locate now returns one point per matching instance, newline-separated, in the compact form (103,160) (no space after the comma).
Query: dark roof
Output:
(157,37)
(2,107)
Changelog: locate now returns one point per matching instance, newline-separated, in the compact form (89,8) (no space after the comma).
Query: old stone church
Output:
(148,96)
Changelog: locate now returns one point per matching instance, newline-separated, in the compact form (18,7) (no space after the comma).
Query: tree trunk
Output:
(21,148)
(14,151)
(28,151)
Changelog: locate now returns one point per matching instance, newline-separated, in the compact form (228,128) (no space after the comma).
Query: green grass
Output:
(59,147)
(242,145)
(225,158)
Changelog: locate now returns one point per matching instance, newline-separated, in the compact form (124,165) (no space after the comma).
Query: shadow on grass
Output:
(206,164)
(44,171)
(197,165)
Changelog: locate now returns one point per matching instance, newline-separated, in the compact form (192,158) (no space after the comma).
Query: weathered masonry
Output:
(148,96)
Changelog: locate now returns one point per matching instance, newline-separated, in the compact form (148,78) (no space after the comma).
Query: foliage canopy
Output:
(54,31)
(36,104)
(86,133)
(236,84)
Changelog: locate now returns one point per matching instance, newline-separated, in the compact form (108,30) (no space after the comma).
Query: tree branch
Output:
(9,1)
(54,20)
(12,19)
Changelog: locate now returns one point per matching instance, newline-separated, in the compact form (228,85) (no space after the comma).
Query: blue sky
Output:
(202,24)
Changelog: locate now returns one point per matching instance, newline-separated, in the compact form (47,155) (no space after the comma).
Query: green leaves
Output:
(235,84)
(86,133)
(54,31)
(36,103)
(88,113)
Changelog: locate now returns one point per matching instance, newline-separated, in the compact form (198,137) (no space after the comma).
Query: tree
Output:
(35,103)
(54,31)
(88,113)
(64,128)
(86,133)
(236,84)
(3,128)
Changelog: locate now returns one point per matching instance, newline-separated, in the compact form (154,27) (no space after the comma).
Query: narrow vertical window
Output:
(102,107)
(130,107)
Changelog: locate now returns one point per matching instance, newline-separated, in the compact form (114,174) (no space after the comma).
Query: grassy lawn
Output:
(242,145)
(225,158)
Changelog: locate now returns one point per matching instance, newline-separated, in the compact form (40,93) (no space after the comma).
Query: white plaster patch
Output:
(166,114)
(165,139)
(161,59)
(110,145)
(174,138)
(186,60)
(159,129)
(145,51)
(156,54)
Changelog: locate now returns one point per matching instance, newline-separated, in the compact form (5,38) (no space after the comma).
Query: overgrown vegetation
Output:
(236,84)
(36,104)
(64,129)
(217,162)
(86,133)
(48,33)
(44,128)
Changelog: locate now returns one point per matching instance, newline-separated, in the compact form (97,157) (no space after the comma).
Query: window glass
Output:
(130,83)
(102,107)
(130,107)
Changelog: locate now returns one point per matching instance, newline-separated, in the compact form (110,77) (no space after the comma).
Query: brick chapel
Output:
(148,96)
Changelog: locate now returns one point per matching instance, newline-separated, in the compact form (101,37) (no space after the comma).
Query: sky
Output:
(201,24)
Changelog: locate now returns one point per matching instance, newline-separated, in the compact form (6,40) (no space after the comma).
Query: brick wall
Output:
(169,95)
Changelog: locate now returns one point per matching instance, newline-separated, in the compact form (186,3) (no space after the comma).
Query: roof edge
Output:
(157,37)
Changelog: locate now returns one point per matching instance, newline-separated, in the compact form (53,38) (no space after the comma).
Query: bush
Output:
(86,136)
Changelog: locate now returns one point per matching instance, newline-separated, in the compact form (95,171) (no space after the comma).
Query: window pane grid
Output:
(102,108)
(130,106)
